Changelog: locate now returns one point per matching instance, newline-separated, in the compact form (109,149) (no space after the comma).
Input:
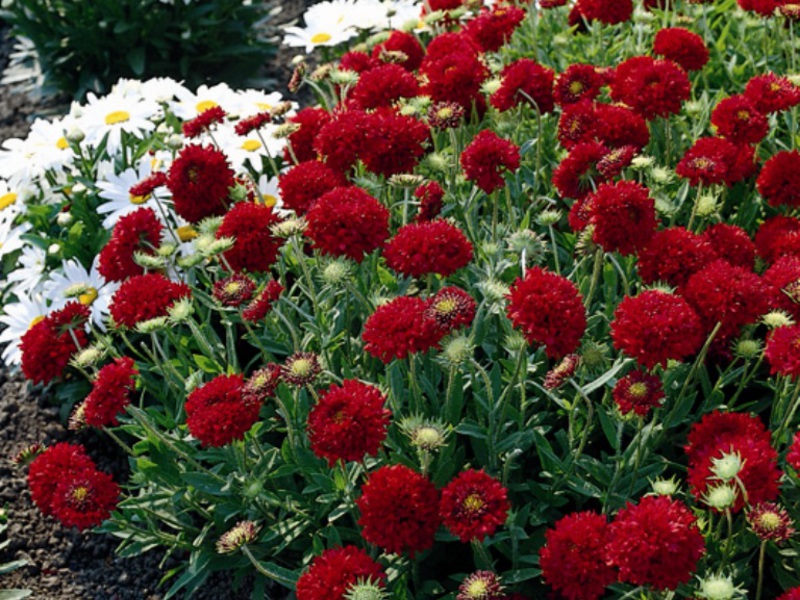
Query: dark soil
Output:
(65,564)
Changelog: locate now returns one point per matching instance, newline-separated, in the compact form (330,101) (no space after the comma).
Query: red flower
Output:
(53,466)
(486,156)
(619,126)
(792,594)
(783,351)
(653,88)
(430,196)
(382,87)
(84,499)
(573,176)
(302,185)
(433,247)
(779,180)
(203,122)
(579,123)
(674,255)
(784,277)
(400,327)
(793,455)
(340,141)
(731,243)
(573,557)
(473,505)
(716,160)
(451,308)
(233,290)
(771,93)
(348,422)
(145,188)
(49,344)
(615,160)
(359,62)
(493,27)
(255,248)
(139,231)
(348,222)
(217,413)
(720,433)
(262,303)
(453,72)
(311,120)
(393,143)
(145,297)
(548,309)
(778,236)
(199,180)
(332,574)
(253,123)
(655,543)
(738,120)
(623,215)
(579,82)
(556,376)
(609,12)
(481,585)
(110,393)
(765,8)
(638,392)
(407,43)
(398,510)
(654,327)
(525,80)
(262,383)
(681,46)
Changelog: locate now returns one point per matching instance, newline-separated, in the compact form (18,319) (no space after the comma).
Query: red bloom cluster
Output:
(772,93)
(302,185)
(473,505)
(144,188)
(721,433)
(341,139)
(654,327)
(778,236)
(430,196)
(792,594)
(793,455)
(454,72)
(655,543)
(255,247)
(432,247)
(638,392)
(65,483)
(653,88)
(233,290)
(716,160)
(49,344)
(623,215)
(525,80)
(783,351)
(486,156)
(199,180)
(110,393)
(393,143)
(382,87)
(579,82)
(573,558)
(681,46)
(347,221)
(311,120)
(609,12)
(574,175)
(203,122)
(138,231)
(732,244)
(262,303)
(549,310)
(784,277)
(145,297)
(493,27)
(348,422)
(738,120)
(673,256)
(451,308)
(335,571)
(249,124)
(779,180)
(399,328)
(399,510)
(218,412)
(407,43)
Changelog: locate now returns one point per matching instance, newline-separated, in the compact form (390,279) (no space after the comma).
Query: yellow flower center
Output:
(301,367)
(477,589)
(703,162)
(62,143)
(769,521)
(7,200)
(36,321)
(186,233)
(576,87)
(88,297)
(446,306)
(743,115)
(263,106)
(205,105)
(118,116)
(233,287)
(80,494)
(251,145)
(473,503)
(320,38)
(138,199)
(269,200)
(445,112)
(638,390)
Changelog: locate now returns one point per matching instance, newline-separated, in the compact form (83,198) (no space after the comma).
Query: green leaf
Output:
(136,60)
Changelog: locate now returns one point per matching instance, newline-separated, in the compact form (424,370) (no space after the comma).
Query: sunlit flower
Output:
(88,286)
(327,24)
(114,114)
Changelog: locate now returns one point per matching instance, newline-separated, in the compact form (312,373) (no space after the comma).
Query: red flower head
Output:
(233,290)
(335,571)
(765,8)
(738,120)
(784,277)
(716,160)
(473,505)
(340,141)
(304,183)
(653,88)
(382,87)
(52,467)
(400,327)
(655,327)
(573,557)
(454,72)
(253,123)
(451,308)
(556,376)
(311,120)
(199,180)
(255,248)
(145,188)
(348,422)
(493,27)
(732,243)
(548,309)
(579,82)
(481,585)
(638,392)
(793,455)
(217,413)
(348,222)
(430,196)
(732,296)
(203,122)
(674,255)
(525,80)
(720,433)
(359,62)
(619,126)
(771,93)
(783,351)
(49,344)
(609,12)
(681,46)
(779,180)
(573,176)
(778,236)
(138,231)
(399,510)
(262,383)
(145,297)
(655,543)
(110,393)
(258,308)
(433,247)
(84,499)
(623,215)
(578,124)
(394,143)
(792,594)
(407,43)
(770,521)
(486,156)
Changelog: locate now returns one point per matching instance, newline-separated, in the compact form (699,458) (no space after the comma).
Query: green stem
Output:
(760,584)
(265,571)
(596,271)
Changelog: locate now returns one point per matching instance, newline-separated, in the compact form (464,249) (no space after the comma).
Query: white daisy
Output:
(88,286)
(190,104)
(113,114)
(271,195)
(252,102)
(45,147)
(241,150)
(18,317)
(404,11)
(11,204)
(11,236)
(327,24)
(115,189)
(161,89)
(28,276)
(369,14)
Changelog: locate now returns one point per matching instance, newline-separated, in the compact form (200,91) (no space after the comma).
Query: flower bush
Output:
(511,312)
